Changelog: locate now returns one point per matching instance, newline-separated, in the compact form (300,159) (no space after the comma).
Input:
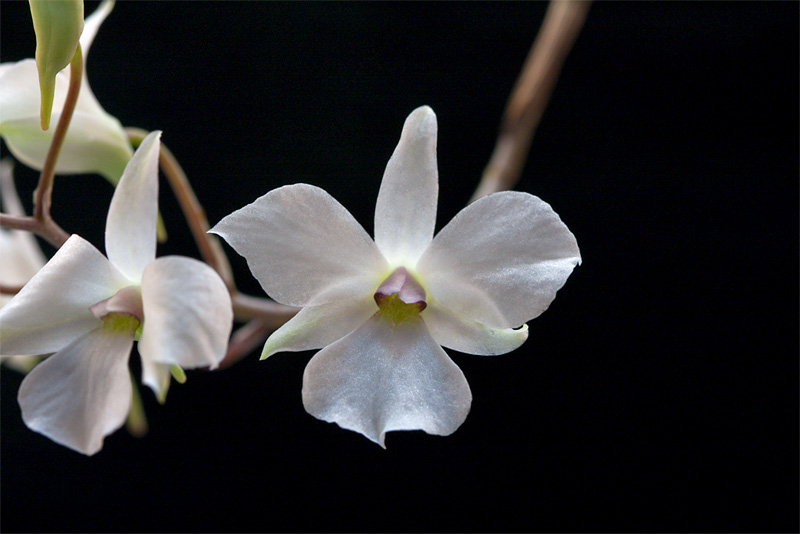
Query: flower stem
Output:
(244,340)
(44,191)
(210,248)
(560,28)
(46,229)
(6,289)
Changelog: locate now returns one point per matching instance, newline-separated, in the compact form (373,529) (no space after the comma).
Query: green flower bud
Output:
(58,25)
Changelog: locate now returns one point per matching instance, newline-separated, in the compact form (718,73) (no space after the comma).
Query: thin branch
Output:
(42,195)
(268,311)
(210,248)
(560,28)
(46,229)
(6,289)
(244,340)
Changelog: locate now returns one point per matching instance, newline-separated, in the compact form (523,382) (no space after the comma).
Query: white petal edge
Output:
(52,310)
(157,376)
(304,247)
(92,24)
(508,251)
(131,222)
(384,377)
(457,332)
(405,213)
(82,393)
(187,314)
(315,327)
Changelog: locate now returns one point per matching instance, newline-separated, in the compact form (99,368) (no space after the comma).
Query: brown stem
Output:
(9,290)
(210,248)
(42,195)
(244,340)
(560,28)
(268,311)
(46,229)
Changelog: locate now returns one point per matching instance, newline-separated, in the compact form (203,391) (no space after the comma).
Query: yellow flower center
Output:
(400,297)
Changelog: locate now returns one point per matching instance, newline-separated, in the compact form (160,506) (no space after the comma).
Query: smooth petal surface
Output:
(156,376)
(385,377)
(187,314)
(457,332)
(405,214)
(315,327)
(131,223)
(95,141)
(508,251)
(52,310)
(303,247)
(82,393)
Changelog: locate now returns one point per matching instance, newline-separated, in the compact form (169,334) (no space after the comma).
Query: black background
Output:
(658,393)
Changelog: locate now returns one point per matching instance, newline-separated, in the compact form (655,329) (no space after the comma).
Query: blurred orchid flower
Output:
(21,255)
(95,141)
(383,309)
(88,309)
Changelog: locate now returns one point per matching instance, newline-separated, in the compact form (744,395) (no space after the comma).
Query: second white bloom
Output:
(88,309)
(383,309)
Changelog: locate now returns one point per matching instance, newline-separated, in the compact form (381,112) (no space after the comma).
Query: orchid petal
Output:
(187,313)
(82,393)
(52,310)
(92,24)
(315,327)
(385,377)
(95,141)
(457,332)
(303,247)
(508,251)
(21,256)
(131,223)
(156,376)
(405,214)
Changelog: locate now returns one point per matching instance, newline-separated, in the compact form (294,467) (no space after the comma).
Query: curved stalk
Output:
(560,28)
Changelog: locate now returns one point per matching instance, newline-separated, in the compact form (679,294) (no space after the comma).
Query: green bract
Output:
(58,25)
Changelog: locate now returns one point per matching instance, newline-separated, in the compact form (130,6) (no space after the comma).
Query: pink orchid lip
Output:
(127,300)
(404,285)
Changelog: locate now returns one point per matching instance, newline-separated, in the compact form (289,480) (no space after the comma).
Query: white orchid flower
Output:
(382,309)
(21,256)
(88,309)
(95,141)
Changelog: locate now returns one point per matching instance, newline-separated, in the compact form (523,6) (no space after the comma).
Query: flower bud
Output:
(58,25)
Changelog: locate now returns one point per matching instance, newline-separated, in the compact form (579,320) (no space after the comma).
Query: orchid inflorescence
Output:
(379,310)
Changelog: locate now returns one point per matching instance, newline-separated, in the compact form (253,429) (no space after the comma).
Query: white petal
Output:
(315,327)
(20,253)
(508,251)
(156,376)
(304,247)
(82,393)
(86,98)
(385,377)
(92,24)
(405,214)
(19,91)
(95,142)
(187,314)
(131,223)
(52,310)
(457,332)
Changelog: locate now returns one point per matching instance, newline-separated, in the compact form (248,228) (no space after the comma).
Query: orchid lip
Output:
(127,300)
(400,296)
